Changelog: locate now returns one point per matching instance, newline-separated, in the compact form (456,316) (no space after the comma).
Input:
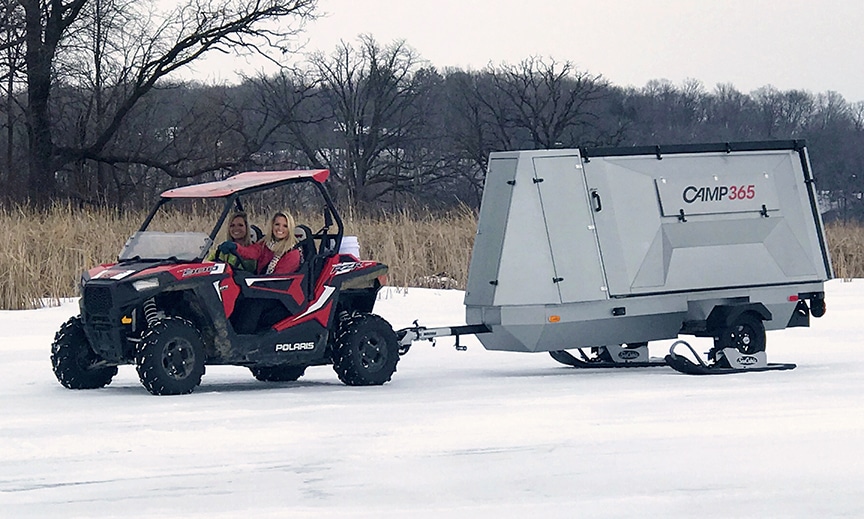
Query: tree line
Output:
(105,123)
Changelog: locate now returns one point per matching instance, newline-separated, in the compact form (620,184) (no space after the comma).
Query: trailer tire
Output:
(74,362)
(277,373)
(746,333)
(366,351)
(170,357)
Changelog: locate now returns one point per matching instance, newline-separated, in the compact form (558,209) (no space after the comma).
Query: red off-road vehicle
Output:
(164,309)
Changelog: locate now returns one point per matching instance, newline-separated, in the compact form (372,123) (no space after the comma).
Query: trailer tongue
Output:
(407,336)
(604,250)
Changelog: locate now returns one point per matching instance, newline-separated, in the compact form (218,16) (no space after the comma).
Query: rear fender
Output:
(359,283)
(363,278)
(722,317)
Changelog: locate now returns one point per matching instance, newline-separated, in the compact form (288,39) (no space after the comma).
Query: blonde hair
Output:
(247,238)
(280,247)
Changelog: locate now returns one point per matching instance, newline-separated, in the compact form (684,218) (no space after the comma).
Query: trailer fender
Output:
(722,317)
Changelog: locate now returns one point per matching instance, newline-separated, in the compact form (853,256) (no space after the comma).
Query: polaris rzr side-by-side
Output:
(165,309)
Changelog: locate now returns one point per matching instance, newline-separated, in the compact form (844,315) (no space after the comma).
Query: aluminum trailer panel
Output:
(582,248)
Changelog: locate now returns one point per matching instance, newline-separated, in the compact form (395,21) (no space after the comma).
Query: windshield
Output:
(179,229)
(182,246)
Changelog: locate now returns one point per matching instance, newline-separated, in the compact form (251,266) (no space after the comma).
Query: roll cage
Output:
(241,184)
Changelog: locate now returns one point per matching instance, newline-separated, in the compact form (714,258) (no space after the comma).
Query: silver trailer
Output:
(606,249)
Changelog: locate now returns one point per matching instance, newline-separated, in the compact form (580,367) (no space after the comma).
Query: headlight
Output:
(145,284)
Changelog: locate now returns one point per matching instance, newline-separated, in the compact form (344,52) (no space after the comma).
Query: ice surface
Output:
(455,434)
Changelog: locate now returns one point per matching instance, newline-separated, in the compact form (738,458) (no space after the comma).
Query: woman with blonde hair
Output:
(240,232)
(275,254)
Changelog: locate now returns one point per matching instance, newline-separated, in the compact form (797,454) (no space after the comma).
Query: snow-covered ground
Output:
(455,434)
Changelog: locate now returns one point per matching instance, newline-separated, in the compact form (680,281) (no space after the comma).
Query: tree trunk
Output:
(10,179)
(40,179)
(41,184)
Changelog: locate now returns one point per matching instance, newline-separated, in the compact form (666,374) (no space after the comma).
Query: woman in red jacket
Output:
(275,254)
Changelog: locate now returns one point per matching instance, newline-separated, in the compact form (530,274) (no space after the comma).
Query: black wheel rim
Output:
(372,352)
(84,359)
(81,359)
(178,358)
(744,339)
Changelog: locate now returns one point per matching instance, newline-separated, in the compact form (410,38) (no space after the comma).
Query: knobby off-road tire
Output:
(366,351)
(277,373)
(73,361)
(170,357)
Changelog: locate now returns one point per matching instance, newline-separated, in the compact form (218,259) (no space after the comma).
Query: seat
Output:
(265,300)
(255,233)
(328,244)
(306,245)
(269,299)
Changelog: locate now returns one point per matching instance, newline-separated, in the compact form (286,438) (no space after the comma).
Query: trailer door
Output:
(628,223)
(578,272)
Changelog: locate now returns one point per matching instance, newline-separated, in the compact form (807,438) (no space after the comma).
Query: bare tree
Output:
(730,114)
(553,102)
(374,96)
(11,69)
(477,124)
(670,114)
(534,104)
(292,108)
(783,114)
(163,43)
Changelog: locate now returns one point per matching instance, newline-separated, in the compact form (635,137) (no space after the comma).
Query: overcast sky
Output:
(814,44)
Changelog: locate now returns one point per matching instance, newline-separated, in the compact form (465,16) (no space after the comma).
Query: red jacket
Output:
(288,263)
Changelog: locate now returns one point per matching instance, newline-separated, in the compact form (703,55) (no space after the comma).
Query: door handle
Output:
(595,198)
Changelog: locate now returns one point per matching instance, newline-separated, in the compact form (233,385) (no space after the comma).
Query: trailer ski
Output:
(613,356)
(727,360)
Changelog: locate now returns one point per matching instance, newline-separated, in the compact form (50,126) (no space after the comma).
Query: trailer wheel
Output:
(746,333)
(277,373)
(75,364)
(170,357)
(366,351)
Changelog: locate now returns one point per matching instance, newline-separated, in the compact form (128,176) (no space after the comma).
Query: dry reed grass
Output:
(43,255)
(846,246)
(422,249)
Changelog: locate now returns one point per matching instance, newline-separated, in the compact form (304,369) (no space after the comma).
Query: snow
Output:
(455,434)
